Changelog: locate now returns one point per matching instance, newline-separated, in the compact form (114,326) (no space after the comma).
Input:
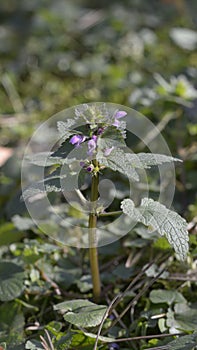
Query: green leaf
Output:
(126,163)
(185,316)
(11,280)
(166,296)
(64,128)
(47,159)
(9,234)
(146,160)
(187,342)
(157,217)
(117,161)
(82,313)
(33,345)
(111,137)
(75,340)
(12,323)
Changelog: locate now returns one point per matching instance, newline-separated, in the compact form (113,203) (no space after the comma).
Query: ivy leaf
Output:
(82,313)
(157,217)
(187,342)
(117,161)
(11,280)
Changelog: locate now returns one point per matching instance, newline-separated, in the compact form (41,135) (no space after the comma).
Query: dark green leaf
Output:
(11,280)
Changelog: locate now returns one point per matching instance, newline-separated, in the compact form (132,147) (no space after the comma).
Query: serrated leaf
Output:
(47,159)
(128,208)
(111,137)
(187,342)
(11,280)
(64,128)
(82,313)
(166,296)
(117,161)
(157,217)
(146,160)
(38,189)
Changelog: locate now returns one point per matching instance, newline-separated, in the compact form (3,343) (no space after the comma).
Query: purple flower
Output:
(100,131)
(118,115)
(82,164)
(116,123)
(77,140)
(92,145)
(90,168)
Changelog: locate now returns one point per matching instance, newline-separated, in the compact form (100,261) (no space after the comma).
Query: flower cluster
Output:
(77,139)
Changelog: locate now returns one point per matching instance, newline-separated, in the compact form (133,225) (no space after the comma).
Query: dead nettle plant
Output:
(99,143)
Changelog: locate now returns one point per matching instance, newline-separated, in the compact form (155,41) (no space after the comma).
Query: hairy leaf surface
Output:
(157,217)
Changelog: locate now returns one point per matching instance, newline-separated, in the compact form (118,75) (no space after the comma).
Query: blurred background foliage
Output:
(57,54)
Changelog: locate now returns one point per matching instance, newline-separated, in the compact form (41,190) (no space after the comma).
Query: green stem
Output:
(112,213)
(92,237)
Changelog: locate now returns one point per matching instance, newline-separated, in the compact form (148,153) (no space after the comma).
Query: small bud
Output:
(90,168)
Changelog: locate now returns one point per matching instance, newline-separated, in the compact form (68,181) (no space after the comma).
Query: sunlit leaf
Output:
(82,313)
(157,217)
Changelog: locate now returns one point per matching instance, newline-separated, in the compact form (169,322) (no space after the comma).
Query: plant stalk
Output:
(93,253)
